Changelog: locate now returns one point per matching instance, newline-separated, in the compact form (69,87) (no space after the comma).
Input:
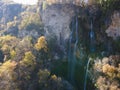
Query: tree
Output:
(30,21)
(41,44)
(42,50)
(7,76)
(28,60)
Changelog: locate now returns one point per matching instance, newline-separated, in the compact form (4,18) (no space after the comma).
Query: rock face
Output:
(8,11)
(57,19)
(76,2)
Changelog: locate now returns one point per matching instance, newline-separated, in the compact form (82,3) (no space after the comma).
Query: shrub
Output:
(41,44)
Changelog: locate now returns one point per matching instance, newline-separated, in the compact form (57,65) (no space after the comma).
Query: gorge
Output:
(60,45)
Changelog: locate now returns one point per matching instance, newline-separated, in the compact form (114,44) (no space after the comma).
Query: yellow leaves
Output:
(27,65)
(7,44)
(101,83)
(7,38)
(109,70)
(41,44)
(7,67)
(29,56)
(109,74)
(118,75)
(8,76)
(5,48)
(29,59)
(12,54)
(54,77)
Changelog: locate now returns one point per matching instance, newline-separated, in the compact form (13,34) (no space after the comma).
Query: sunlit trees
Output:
(43,76)
(41,49)
(25,69)
(7,44)
(28,60)
(12,54)
(51,82)
(109,70)
(30,21)
(7,76)
(28,63)
(14,74)
(23,46)
(7,39)
(106,73)
(41,44)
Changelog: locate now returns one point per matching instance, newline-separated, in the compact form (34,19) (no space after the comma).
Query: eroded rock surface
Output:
(57,19)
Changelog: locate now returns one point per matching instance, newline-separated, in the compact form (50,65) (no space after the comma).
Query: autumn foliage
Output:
(41,44)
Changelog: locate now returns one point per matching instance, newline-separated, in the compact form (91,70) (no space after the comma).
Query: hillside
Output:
(60,45)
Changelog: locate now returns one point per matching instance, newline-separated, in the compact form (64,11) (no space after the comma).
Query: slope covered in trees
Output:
(57,45)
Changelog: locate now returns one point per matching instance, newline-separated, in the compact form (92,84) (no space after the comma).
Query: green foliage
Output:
(20,71)
(5,48)
(7,76)
(43,76)
(28,60)
(14,48)
(108,6)
(30,21)
(8,43)
(47,82)
(41,50)
(7,39)
(12,54)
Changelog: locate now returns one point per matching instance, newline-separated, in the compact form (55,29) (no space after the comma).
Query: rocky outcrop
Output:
(8,11)
(57,19)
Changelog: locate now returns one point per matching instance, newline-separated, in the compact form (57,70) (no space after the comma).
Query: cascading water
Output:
(86,74)
(92,49)
(72,50)
(73,47)
(92,38)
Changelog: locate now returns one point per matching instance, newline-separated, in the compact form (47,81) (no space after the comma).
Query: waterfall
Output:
(92,38)
(86,74)
(92,49)
(72,50)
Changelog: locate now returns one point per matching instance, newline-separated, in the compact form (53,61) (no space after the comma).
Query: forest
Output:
(60,45)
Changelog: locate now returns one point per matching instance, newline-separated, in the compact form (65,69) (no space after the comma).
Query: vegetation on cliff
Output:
(88,58)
